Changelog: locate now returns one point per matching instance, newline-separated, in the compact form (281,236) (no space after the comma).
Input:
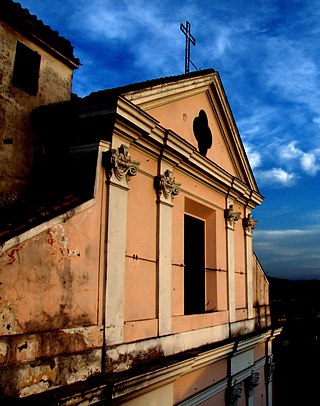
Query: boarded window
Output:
(194,260)
(26,69)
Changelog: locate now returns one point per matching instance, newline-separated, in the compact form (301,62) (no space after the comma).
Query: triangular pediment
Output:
(184,105)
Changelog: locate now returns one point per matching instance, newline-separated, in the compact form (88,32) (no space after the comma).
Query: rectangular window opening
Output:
(194,260)
(26,69)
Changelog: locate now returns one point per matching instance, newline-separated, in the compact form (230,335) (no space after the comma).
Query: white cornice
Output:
(158,95)
(170,372)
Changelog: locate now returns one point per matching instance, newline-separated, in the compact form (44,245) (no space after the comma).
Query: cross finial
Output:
(189,38)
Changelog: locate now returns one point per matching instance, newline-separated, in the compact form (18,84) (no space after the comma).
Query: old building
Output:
(127,274)
(36,68)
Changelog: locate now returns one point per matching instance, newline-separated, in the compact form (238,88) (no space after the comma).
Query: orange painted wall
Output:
(180,120)
(141,267)
(52,280)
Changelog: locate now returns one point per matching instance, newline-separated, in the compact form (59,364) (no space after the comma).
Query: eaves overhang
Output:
(19,19)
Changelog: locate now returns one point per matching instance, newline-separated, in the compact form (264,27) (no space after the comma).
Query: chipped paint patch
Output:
(33,347)
(4,352)
(8,320)
(124,357)
(27,349)
(26,379)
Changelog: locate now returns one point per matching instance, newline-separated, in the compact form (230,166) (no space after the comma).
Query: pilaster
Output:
(250,383)
(269,369)
(231,217)
(166,189)
(249,224)
(119,169)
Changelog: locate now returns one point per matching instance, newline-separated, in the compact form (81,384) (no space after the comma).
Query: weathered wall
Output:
(18,145)
(51,285)
(261,300)
(51,280)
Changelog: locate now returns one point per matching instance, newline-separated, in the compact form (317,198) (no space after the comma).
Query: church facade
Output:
(126,264)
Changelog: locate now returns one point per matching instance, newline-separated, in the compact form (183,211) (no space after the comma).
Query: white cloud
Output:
(290,151)
(307,161)
(308,164)
(276,176)
(253,155)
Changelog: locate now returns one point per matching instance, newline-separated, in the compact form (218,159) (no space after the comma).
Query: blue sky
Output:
(267,54)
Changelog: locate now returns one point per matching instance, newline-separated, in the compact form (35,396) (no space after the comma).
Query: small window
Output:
(26,69)
(194,260)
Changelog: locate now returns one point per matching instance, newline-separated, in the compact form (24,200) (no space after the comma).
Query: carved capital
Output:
(231,216)
(249,224)
(251,382)
(117,162)
(270,365)
(165,185)
(235,393)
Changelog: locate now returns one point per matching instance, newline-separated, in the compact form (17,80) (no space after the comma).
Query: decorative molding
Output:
(118,162)
(231,216)
(234,393)
(251,382)
(248,223)
(165,185)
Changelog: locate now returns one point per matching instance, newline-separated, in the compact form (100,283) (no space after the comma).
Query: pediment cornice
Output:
(148,134)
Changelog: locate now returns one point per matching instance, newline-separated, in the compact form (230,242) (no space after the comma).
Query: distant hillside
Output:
(293,290)
(294,300)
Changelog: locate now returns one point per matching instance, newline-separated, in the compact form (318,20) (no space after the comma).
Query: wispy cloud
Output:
(254,156)
(291,71)
(277,177)
(307,161)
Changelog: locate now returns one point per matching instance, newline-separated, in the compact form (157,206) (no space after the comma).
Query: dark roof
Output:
(22,216)
(117,91)
(27,24)
(62,181)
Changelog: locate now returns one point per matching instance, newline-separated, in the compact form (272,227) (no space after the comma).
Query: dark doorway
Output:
(194,274)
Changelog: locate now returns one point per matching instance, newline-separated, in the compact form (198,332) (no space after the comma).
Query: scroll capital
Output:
(231,216)
(249,224)
(165,185)
(118,162)
(235,393)
(270,365)
(251,382)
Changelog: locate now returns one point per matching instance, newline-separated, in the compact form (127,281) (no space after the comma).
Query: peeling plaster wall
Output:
(33,377)
(51,280)
(18,145)
(50,319)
